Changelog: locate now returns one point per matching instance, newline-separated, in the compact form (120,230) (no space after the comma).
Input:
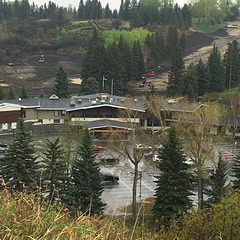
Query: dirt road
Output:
(221,38)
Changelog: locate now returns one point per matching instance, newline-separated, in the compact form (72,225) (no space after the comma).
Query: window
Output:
(9,126)
(0,126)
(59,112)
(56,121)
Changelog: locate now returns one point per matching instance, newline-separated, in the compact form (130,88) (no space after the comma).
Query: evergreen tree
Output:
(90,86)
(54,169)
(11,93)
(176,74)
(19,167)
(137,60)
(24,92)
(202,77)
(232,61)
(1,94)
(182,41)
(87,179)
(216,71)
(62,84)
(81,9)
(172,40)
(236,173)
(107,11)
(190,82)
(218,187)
(173,184)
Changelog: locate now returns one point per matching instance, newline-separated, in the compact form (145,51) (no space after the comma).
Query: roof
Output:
(106,123)
(79,102)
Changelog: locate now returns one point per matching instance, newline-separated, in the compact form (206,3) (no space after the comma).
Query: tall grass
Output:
(26,216)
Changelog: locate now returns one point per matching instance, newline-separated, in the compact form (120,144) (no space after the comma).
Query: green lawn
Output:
(225,92)
(204,28)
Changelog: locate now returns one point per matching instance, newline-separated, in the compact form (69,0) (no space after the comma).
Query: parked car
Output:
(3,145)
(140,146)
(97,148)
(108,178)
(108,158)
(156,158)
(149,74)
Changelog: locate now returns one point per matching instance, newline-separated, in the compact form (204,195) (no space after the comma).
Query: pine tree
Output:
(24,92)
(202,77)
(87,179)
(54,170)
(90,86)
(11,94)
(173,184)
(218,187)
(137,59)
(62,84)
(232,61)
(81,9)
(172,40)
(176,74)
(20,167)
(236,172)
(216,71)
(190,82)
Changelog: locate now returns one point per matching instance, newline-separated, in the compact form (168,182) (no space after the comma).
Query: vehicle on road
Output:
(97,148)
(110,178)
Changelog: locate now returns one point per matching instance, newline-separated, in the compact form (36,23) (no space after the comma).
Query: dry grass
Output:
(143,207)
(26,216)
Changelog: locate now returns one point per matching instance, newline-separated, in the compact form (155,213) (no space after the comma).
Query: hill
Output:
(37,76)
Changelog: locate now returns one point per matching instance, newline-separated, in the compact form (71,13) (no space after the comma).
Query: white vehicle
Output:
(232,26)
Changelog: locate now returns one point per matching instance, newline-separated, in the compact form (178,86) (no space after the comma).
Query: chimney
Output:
(72,102)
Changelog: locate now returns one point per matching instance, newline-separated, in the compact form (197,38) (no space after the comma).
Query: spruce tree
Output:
(236,173)
(202,77)
(90,86)
(216,71)
(218,186)
(87,179)
(54,169)
(232,61)
(176,74)
(24,92)
(11,93)
(62,84)
(173,184)
(20,167)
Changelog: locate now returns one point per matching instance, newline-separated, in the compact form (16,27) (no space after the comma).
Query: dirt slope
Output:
(28,71)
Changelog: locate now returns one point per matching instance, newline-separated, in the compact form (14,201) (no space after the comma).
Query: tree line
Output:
(139,13)
(217,74)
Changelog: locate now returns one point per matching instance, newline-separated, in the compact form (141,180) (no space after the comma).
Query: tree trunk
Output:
(200,191)
(134,189)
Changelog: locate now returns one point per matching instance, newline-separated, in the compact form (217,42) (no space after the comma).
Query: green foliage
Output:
(136,34)
(87,179)
(11,93)
(173,184)
(218,187)
(54,169)
(62,84)
(204,27)
(90,86)
(216,71)
(236,173)
(19,167)
(24,92)
(176,74)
